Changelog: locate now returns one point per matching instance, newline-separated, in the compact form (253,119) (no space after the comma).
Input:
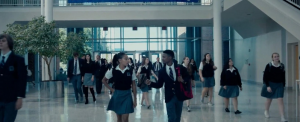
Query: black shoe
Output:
(227,110)
(86,102)
(99,93)
(237,112)
(149,107)
(95,100)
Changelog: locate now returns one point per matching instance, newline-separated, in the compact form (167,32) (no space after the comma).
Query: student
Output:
(230,85)
(168,75)
(97,74)
(188,67)
(131,64)
(274,83)
(75,75)
(124,79)
(88,79)
(206,72)
(145,70)
(194,70)
(13,75)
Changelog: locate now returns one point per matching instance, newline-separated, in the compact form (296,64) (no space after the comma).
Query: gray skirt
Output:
(229,92)
(209,81)
(87,79)
(277,90)
(121,102)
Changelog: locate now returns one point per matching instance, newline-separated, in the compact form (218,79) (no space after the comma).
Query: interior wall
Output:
(251,55)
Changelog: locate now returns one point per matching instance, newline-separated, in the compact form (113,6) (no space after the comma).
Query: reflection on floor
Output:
(57,105)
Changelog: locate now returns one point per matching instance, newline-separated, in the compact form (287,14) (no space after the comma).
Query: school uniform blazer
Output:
(13,79)
(154,66)
(71,67)
(170,85)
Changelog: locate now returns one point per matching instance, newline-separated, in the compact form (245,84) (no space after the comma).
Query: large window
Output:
(129,39)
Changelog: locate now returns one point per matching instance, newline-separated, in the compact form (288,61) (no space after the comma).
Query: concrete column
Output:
(217,43)
(49,10)
(43,7)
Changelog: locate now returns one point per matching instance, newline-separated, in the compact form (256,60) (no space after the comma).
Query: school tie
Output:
(2,62)
(171,74)
(75,68)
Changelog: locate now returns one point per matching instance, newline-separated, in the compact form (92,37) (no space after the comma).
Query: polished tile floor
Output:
(55,103)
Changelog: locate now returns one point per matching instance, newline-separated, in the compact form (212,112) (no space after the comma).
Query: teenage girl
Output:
(194,69)
(206,72)
(124,80)
(145,70)
(274,83)
(88,79)
(230,85)
(186,64)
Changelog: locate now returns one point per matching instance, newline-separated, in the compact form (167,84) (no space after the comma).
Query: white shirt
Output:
(157,66)
(173,69)
(78,68)
(201,66)
(109,74)
(140,68)
(279,64)
(231,70)
(6,56)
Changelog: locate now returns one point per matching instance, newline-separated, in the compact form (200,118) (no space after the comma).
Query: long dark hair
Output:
(210,61)
(226,66)
(189,68)
(131,62)
(90,57)
(116,59)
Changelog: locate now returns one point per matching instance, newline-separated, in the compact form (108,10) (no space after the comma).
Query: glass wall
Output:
(129,39)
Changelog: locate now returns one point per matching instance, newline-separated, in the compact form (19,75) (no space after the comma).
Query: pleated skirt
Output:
(209,82)
(277,91)
(229,92)
(121,102)
(87,79)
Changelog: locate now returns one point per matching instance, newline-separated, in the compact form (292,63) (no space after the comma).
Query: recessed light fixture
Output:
(248,14)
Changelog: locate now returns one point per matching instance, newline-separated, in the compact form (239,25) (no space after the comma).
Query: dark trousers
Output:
(98,84)
(8,112)
(76,81)
(174,109)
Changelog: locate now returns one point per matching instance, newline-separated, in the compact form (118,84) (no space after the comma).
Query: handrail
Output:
(295,3)
(64,3)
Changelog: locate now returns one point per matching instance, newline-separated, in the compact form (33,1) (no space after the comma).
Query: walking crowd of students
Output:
(121,78)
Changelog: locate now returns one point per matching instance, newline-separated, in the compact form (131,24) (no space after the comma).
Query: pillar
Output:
(48,17)
(217,43)
(49,10)
(43,7)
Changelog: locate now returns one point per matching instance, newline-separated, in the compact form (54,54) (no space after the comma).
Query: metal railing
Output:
(295,3)
(65,3)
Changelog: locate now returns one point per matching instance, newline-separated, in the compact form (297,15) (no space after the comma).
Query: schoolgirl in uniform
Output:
(194,69)
(206,72)
(230,85)
(274,83)
(187,66)
(88,79)
(124,80)
(143,73)
(131,64)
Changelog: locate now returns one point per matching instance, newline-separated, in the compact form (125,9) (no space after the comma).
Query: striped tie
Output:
(171,74)
(2,62)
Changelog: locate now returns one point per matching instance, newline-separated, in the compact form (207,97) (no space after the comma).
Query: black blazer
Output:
(71,67)
(97,68)
(13,78)
(170,85)
(154,66)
